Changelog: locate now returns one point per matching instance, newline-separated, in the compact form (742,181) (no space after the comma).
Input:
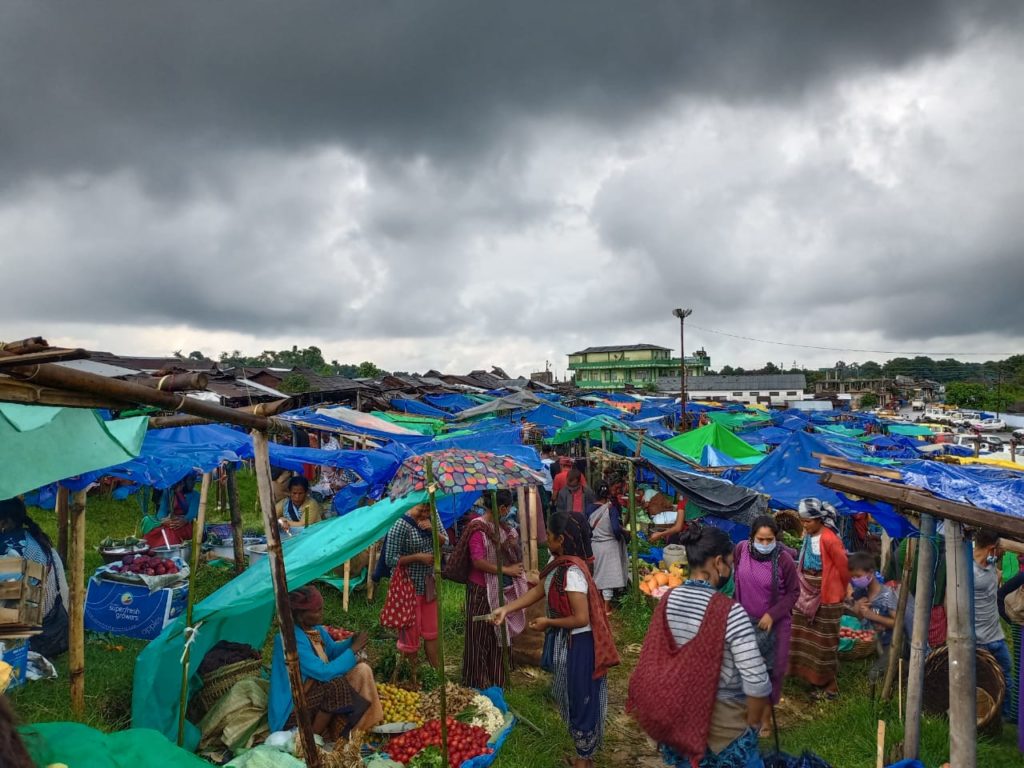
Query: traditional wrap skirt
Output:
(814,643)
(481,651)
(582,701)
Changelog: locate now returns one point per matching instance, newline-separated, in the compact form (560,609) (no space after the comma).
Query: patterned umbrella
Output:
(461,471)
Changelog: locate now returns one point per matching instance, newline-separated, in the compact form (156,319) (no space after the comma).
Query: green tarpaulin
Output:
(241,611)
(425,425)
(839,429)
(909,430)
(588,427)
(79,746)
(735,420)
(692,443)
(41,445)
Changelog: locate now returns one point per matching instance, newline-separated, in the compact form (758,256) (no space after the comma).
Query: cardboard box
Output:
(132,611)
(15,653)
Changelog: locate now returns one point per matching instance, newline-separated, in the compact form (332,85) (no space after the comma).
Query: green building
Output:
(633,366)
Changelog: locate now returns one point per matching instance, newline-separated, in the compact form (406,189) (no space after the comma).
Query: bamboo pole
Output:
(535,509)
(896,647)
(369,573)
(503,629)
(76,611)
(346,584)
(880,745)
(235,508)
(197,540)
(919,638)
(62,523)
(634,542)
(963,723)
(436,536)
(284,615)
(590,471)
(523,503)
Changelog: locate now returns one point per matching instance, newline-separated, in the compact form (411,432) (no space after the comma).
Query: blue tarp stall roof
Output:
(654,428)
(620,397)
(655,453)
(452,403)
(591,412)
(241,611)
(417,408)
(780,477)
(352,422)
(990,488)
(712,457)
(766,436)
(881,441)
(792,423)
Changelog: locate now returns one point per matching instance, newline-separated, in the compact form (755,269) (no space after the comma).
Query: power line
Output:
(851,349)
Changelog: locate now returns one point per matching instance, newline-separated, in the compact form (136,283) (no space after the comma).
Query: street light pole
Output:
(682,314)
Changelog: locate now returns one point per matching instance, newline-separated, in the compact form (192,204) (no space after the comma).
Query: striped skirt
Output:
(814,645)
(481,652)
(582,700)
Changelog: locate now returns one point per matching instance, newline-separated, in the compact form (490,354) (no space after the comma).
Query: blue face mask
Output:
(765,549)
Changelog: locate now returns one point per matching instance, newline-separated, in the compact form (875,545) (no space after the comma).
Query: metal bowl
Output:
(116,554)
(256,552)
(182,551)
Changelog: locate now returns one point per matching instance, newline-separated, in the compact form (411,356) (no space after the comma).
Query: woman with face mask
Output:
(767,587)
(824,579)
(703,643)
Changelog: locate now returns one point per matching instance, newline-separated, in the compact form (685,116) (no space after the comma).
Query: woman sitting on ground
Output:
(713,657)
(341,694)
(21,536)
(179,507)
(578,647)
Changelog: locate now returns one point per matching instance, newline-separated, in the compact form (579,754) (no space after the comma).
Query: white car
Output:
(987,425)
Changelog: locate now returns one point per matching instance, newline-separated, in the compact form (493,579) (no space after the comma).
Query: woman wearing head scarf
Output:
(21,536)
(824,580)
(579,645)
(340,692)
(767,587)
(482,665)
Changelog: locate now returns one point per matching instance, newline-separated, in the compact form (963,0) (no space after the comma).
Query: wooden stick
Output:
(634,543)
(51,355)
(919,637)
(259,409)
(346,581)
(963,722)
(369,572)
(534,524)
(76,611)
(62,523)
(235,508)
(523,503)
(284,613)
(896,647)
(880,746)
(436,536)
(197,540)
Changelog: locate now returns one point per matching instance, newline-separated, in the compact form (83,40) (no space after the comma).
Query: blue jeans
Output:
(1001,651)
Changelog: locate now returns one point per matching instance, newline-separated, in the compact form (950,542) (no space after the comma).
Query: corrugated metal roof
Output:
(620,348)
(752,383)
(100,369)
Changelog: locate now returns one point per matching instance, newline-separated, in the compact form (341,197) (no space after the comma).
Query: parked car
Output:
(986,443)
(917,405)
(987,425)
(1019,434)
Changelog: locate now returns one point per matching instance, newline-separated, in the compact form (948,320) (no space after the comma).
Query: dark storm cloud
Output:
(97,86)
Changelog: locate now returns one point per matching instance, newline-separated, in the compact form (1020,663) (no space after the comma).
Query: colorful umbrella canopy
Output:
(461,471)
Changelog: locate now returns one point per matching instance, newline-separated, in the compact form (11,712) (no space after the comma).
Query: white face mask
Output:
(765,549)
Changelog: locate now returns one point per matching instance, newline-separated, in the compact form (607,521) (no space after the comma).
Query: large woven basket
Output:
(989,681)
(222,680)
(862,649)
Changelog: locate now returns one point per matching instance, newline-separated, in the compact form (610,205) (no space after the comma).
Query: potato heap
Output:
(400,705)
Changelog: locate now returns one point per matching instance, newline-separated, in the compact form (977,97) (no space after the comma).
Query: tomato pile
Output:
(337,633)
(857,634)
(464,742)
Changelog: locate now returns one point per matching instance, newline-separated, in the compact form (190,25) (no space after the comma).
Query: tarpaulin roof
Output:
(909,430)
(713,457)
(779,476)
(241,610)
(988,487)
(40,445)
(450,403)
(589,427)
(513,402)
(418,408)
(692,443)
(840,429)
(348,420)
(654,427)
(738,420)
(714,496)
(425,425)
(766,436)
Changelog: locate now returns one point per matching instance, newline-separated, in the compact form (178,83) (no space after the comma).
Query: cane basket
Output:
(990,682)
(223,679)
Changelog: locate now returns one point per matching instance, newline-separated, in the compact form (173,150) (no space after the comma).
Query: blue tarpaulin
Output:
(417,408)
(767,436)
(987,487)
(450,403)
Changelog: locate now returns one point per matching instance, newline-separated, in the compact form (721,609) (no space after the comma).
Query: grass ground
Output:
(843,731)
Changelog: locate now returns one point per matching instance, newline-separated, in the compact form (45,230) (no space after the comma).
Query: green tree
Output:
(870,370)
(294,384)
(368,370)
(771,368)
(728,370)
(966,395)
(869,400)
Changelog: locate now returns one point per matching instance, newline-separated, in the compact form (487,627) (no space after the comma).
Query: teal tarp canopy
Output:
(736,420)
(909,430)
(41,445)
(840,429)
(692,443)
(588,427)
(241,611)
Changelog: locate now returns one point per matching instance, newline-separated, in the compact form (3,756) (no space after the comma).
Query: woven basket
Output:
(222,680)
(788,520)
(989,680)
(862,649)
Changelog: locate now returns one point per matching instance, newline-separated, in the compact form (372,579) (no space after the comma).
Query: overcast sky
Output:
(459,184)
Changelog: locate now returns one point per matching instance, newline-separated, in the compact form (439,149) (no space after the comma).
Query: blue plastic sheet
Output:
(451,403)
(991,488)
(417,408)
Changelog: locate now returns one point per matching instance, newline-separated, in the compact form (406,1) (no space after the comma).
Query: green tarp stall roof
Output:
(735,420)
(79,746)
(839,429)
(242,610)
(909,430)
(40,444)
(425,425)
(591,427)
(692,443)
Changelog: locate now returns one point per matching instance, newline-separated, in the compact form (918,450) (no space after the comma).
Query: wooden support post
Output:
(235,508)
(369,572)
(880,746)
(634,555)
(923,595)
(76,611)
(436,535)
(590,470)
(346,583)
(523,505)
(535,509)
(604,439)
(197,540)
(261,463)
(896,647)
(62,523)
(963,722)
(499,564)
